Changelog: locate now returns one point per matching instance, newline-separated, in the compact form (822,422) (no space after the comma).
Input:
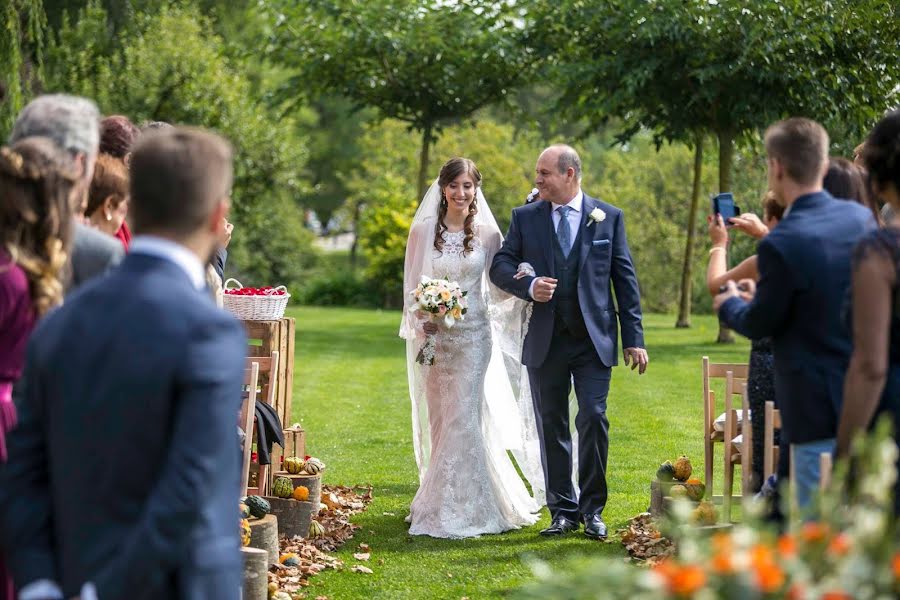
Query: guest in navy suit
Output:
(124,472)
(577,244)
(804,267)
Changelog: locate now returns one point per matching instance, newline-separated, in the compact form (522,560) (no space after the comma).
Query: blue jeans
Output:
(805,459)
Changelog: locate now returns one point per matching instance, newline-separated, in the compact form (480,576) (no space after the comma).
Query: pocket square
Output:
(599,242)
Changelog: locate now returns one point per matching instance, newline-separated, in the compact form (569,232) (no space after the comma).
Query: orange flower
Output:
(836,595)
(687,580)
(814,532)
(721,563)
(795,592)
(895,564)
(787,546)
(761,555)
(839,545)
(769,578)
(721,543)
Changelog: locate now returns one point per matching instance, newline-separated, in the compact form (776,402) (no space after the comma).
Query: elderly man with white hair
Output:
(73,123)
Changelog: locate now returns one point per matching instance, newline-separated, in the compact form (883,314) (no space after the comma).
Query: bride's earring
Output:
(443,200)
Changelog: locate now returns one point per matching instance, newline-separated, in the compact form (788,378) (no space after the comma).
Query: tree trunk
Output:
(684,307)
(354,247)
(726,157)
(424,159)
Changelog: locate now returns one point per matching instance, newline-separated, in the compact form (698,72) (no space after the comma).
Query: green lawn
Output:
(350,394)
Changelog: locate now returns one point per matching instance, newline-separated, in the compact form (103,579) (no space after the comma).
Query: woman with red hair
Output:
(117,135)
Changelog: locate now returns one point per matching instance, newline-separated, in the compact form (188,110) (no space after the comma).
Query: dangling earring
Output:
(443,200)
(108,217)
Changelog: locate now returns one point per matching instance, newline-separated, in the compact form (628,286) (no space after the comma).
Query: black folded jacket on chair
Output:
(268,432)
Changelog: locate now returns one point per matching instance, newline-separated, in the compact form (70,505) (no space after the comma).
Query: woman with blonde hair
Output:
(36,183)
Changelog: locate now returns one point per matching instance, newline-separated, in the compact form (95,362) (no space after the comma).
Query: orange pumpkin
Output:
(301,493)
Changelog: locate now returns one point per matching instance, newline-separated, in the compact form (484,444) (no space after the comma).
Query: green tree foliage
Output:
(22,26)
(423,63)
(167,66)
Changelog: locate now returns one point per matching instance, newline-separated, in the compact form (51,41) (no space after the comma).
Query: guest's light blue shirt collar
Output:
(575,203)
(173,252)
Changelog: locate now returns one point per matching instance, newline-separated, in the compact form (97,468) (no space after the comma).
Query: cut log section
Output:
(264,535)
(256,569)
(312,482)
(293,516)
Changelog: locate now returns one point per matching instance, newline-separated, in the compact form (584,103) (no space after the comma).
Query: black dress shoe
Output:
(594,527)
(560,526)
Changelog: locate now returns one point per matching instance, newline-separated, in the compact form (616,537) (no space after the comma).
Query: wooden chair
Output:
(265,389)
(712,435)
(245,421)
(770,449)
(736,455)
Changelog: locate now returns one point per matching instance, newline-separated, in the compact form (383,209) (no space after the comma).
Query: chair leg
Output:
(727,490)
(709,455)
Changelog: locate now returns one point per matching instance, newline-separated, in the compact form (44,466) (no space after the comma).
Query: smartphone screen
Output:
(723,204)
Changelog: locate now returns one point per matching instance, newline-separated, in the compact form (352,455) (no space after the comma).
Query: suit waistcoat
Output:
(568,309)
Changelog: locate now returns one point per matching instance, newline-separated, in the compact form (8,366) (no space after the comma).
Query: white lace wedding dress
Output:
(469,486)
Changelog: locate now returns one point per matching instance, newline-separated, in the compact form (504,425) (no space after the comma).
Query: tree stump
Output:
(293,516)
(312,482)
(264,535)
(256,573)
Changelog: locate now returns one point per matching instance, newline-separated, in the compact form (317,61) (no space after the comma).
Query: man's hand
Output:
(638,359)
(750,224)
(730,291)
(746,289)
(543,289)
(226,234)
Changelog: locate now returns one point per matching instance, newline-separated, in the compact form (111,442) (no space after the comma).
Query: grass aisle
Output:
(350,394)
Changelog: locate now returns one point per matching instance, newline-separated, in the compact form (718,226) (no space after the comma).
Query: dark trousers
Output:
(572,358)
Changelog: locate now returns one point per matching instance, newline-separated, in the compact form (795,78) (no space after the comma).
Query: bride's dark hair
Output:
(452,169)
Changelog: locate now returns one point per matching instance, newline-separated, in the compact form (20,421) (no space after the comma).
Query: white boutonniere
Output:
(597,216)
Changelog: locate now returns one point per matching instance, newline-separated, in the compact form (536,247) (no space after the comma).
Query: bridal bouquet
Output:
(440,299)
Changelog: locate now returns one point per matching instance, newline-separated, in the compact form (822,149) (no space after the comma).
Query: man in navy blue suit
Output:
(804,268)
(577,244)
(123,475)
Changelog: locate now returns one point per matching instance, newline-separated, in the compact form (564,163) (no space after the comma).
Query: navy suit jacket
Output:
(605,259)
(804,278)
(125,468)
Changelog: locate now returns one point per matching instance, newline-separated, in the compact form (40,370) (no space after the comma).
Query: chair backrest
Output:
(265,390)
(245,421)
(770,450)
(711,370)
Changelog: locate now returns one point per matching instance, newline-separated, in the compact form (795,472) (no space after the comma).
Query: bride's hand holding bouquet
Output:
(440,301)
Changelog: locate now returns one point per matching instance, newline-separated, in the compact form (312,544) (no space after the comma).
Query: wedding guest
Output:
(108,197)
(872,385)
(73,124)
(123,475)
(36,181)
(761,376)
(117,135)
(804,266)
(846,181)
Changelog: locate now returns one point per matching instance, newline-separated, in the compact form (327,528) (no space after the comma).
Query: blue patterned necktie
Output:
(563,231)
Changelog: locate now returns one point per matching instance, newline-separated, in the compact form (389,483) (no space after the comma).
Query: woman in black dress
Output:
(872,385)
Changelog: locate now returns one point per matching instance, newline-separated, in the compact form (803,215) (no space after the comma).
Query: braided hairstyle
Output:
(881,152)
(36,214)
(452,169)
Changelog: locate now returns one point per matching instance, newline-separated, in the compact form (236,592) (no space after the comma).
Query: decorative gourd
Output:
(682,468)
(705,514)
(281,596)
(273,588)
(245,510)
(666,471)
(245,532)
(301,493)
(291,559)
(678,491)
(294,465)
(259,507)
(313,466)
(315,529)
(283,487)
(695,489)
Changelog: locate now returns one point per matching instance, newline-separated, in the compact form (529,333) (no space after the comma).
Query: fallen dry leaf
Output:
(644,542)
(361,556)
(364,547)
(361,569)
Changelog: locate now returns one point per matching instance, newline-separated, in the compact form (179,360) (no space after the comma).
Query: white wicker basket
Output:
(255,308)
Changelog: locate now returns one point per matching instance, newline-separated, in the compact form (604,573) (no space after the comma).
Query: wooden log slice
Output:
(264,535)
(293,516)
(256,569)
(312,482)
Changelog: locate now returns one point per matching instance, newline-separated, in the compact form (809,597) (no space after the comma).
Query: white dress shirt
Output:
(173,252)
(574,218)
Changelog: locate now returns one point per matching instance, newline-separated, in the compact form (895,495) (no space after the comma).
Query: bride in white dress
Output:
(471,405)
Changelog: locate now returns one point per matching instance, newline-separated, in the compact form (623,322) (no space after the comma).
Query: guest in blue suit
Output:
(578,247)
(804,267)
(124,473)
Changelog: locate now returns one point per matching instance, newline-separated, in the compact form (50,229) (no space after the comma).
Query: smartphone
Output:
(723,204)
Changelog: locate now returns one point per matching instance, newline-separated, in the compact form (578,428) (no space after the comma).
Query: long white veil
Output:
(509,414)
